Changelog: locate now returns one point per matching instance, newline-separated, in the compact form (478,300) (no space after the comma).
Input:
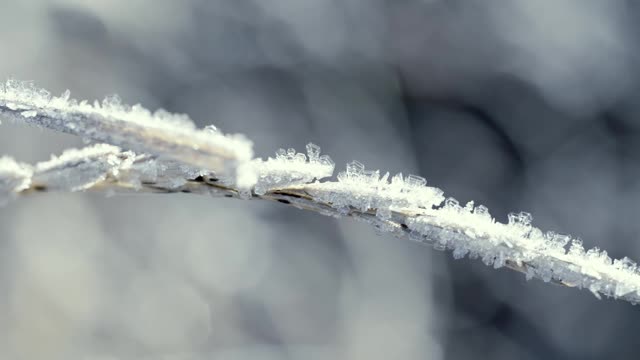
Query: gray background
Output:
(519,105)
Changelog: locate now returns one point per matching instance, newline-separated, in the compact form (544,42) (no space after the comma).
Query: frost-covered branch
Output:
(403,206)
(131,127)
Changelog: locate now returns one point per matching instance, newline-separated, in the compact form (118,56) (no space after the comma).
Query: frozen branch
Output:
(131,127)
(403,206)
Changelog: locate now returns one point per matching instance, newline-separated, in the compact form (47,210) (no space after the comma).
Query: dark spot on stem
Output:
(288,194)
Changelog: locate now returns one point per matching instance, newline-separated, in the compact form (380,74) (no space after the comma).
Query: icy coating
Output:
(364,190)
(173,156)
(429,218)
(290,168)
(130,127)
(548,256)
(80,169)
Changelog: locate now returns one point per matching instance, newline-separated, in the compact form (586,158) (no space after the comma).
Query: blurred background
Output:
(518,105)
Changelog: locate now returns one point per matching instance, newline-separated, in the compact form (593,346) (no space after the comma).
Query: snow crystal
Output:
(290,168)
(521,221)
(367,190)
(555,240)
(416,181)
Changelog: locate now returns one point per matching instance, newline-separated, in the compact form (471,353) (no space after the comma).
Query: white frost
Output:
(471,230)
(173,153)
(367,190)
(130,127)
(80,169)
(289,168)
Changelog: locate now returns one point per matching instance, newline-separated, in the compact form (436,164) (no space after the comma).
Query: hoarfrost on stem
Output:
(174,156)
(130,127)
(471,230)
(364,190)
(290,168)
(80,169)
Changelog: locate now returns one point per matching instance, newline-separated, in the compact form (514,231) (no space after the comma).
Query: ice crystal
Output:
(80,169)
(290,168)
(367,190)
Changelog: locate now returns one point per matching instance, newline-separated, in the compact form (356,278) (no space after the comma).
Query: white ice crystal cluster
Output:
(290,168)
(367,190)
(548,256)
(130,127)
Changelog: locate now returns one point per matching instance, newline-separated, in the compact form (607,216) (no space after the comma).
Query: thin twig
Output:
(135,128)
(181,159)
(301,197)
